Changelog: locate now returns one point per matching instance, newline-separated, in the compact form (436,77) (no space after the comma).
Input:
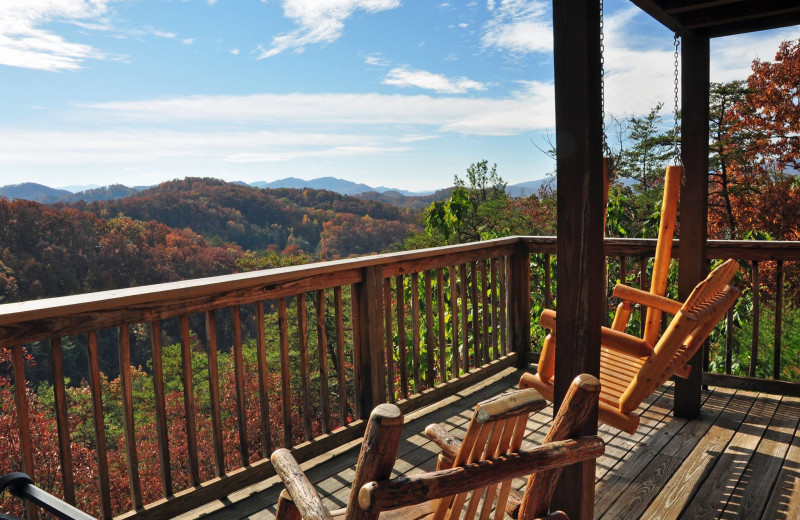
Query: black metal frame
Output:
(21,485)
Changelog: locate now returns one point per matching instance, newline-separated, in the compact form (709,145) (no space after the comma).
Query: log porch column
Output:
(694,198)
(581,287)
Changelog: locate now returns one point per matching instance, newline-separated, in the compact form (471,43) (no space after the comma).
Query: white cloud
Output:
(24,44)
(376,60)
(463,25)
(530,108)
(404,77)
(235,52)
(518,26)
(187,41)
(319,21)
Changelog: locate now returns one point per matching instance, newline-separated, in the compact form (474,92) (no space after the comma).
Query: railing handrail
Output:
(163,293)
(14,315)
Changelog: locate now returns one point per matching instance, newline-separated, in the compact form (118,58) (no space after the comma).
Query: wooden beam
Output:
(694,198)
(372,363)
(581,288)
(742,11)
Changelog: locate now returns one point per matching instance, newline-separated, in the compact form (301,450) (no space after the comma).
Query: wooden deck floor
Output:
(740,459)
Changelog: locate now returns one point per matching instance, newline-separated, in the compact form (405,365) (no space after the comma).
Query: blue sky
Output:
(402,93)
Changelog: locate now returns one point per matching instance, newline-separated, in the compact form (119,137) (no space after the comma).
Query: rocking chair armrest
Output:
(405,491)
(300,489)
(639,296)
(625,343)
(442,438)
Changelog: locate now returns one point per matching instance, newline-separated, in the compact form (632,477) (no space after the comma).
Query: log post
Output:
(377,456)
(694,198)
(371,341)
(581,288)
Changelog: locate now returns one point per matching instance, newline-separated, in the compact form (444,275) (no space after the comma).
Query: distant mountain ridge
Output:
(47,195)
(402,198)
(342,186)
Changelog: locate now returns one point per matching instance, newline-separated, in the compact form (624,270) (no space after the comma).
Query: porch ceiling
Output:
(713,18)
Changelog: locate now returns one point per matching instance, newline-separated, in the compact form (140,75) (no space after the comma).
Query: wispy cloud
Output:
(319,21)
(529,108)
(519,26)
(376,60)
(23,43)
(404,77)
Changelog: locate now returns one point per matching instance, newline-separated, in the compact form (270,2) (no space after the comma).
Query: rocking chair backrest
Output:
(685,334)
(497,428)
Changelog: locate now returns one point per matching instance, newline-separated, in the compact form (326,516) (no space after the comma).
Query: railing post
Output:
(520,303)
(372,365)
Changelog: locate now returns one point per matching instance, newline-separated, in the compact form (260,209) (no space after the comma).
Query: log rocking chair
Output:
(473,477)
(632,368)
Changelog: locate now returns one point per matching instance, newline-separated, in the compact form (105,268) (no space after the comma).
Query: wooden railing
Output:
(239,365)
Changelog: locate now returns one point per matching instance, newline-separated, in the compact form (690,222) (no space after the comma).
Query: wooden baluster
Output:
(387,329)
(451,271)
(756,313)
(213,391)
(401,335)
(476,327)
(302,324)
(642,286)
(238,373)
(442,340)
(464,317)
(504,304)
(493,299)
(99,426)
(322,352)
(62,420)
(486,311)
(160,408)
(415,331)
(548,297)
(776,365)
(430,342)
(340,368)
(263,386)
(188,401)
(24,426)
(623,270)
(356,326)
(286,391)
(729,341)
(126,391)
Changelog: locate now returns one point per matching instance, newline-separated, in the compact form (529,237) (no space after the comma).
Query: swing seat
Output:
(631,368)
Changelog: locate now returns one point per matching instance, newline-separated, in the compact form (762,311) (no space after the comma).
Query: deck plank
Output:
(762,470)
(784,500)
(646,486)
(681,488)
(712,497)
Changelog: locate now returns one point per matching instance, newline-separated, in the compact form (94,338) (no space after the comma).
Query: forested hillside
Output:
(252,218)
(182,229)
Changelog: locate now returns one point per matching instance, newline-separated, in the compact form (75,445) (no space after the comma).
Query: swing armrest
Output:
(624,343)
(648,299)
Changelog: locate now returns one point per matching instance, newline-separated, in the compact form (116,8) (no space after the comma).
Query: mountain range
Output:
(404,198)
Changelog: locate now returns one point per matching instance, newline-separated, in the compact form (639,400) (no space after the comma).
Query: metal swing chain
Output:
(675,129)
(603,84)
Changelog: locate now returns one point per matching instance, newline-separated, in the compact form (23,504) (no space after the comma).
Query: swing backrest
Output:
(692,324)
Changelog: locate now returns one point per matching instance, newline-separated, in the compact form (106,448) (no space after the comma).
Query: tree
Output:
(475,209)
(647,152)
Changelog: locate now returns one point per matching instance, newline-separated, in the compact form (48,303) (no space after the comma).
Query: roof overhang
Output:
(714,18)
